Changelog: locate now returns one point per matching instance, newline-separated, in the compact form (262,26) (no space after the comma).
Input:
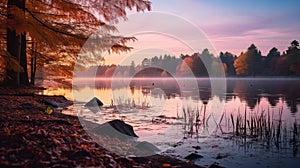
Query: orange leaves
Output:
(61,27)
(166,165)
(75,135)
(10,62)
(16,20)
(83,146)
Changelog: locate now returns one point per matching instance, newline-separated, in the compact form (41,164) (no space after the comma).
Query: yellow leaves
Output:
(49,110)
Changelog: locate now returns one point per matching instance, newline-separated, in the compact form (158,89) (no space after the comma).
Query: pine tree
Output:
(249,63)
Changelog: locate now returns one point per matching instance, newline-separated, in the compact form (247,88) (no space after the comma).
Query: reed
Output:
(259,126)
(192,122)
(264,129)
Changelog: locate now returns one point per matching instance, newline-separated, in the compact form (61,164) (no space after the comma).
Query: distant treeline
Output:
(249,63)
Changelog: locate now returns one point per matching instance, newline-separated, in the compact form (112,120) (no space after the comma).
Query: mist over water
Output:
(165,111)
(250,92)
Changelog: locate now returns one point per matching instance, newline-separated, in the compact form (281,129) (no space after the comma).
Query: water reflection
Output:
(155,106)
(248,90)
(252,91)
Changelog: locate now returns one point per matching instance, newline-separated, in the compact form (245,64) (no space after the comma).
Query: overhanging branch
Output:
(53,29)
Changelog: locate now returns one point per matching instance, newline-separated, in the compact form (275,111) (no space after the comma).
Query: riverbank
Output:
(33,136)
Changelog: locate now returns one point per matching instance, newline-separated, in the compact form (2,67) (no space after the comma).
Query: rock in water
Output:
(94,102)
(215,165)
(193,156)
(122,127)
(116,129)
(146,148)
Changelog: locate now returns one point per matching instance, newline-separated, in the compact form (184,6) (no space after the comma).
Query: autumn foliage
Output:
(49,34)
(252,63)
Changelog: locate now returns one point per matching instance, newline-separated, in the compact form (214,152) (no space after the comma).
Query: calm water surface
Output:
(163,111)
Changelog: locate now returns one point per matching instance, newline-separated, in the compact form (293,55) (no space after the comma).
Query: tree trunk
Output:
(23,61)
(13,49)
(16,46)
(33,65)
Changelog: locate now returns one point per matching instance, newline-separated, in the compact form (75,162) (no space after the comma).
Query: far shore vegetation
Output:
(248,64)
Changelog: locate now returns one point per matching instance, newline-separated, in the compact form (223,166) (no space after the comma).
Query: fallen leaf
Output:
(166,165)
(49,110)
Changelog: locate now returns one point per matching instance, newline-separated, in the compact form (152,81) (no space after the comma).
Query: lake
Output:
(176,114)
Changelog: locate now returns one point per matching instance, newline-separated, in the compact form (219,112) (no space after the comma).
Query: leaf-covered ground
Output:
(30,137)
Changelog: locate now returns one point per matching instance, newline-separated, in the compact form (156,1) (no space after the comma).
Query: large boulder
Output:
(116,129)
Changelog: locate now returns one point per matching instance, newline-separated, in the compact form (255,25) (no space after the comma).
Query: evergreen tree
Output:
(249,63)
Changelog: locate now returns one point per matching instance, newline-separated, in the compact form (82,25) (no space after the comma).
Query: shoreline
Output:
(31,137)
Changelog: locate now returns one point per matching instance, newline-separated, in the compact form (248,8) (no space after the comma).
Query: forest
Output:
(250,63)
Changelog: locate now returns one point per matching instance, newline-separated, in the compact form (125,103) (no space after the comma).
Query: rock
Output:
(122,127)
(52,103)
(58,102)
(94,102)
(27,105)
(221,156)
(215,165)
(147,148)
(161,160)
(196,147)
(193,156)
(116,129)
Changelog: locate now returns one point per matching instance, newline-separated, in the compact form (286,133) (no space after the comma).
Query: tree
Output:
(271,60)
(207,59)
(132,68)
(60,27)
(294,44)
(228,60)
(186,66)
(249,63)
(146,63)
(199,68)
(191,66)
(16,44)
(289,63)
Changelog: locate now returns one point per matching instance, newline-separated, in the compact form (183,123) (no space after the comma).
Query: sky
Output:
(228,25)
